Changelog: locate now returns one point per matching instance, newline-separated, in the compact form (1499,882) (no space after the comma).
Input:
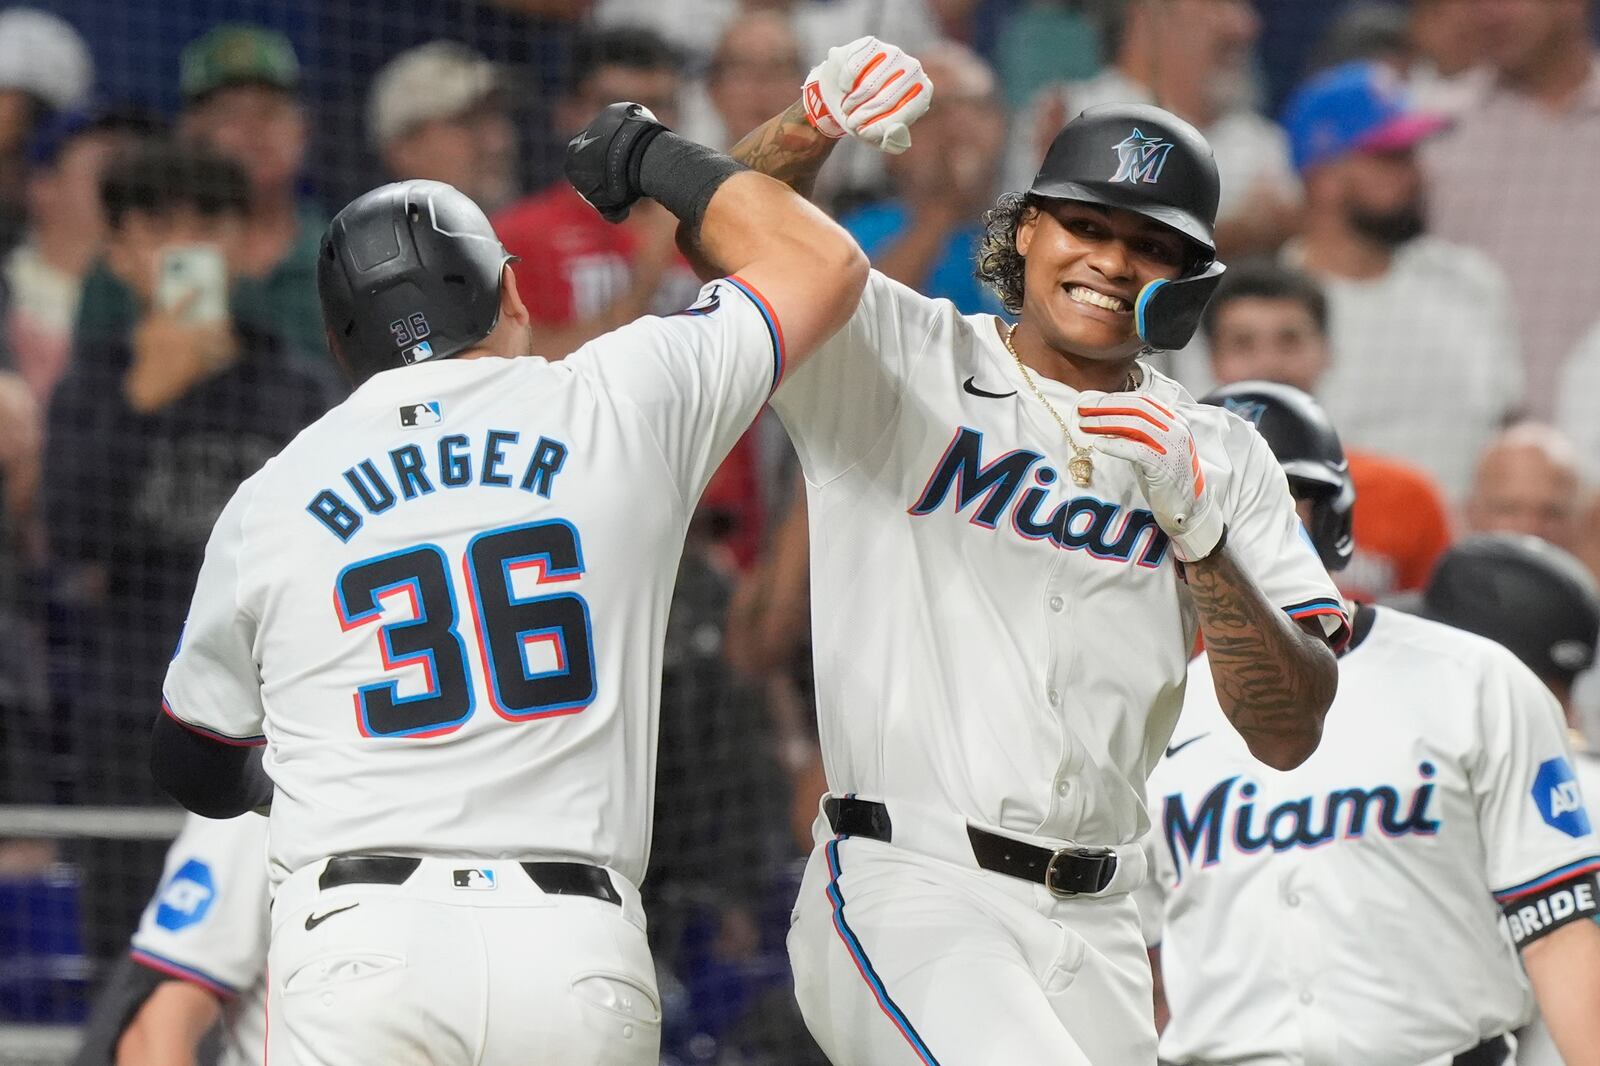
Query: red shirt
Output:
(572,264)
(1401,526)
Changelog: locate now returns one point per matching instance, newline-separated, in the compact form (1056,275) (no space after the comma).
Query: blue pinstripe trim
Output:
(774,334)
(1572,869)
(162,964)
(864,964)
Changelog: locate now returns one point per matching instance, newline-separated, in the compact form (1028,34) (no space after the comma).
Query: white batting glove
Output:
(869,90)
(1157,441)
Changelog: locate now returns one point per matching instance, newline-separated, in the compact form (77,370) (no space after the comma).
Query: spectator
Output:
(1193,57)
(1425,358)
(1516,176)
(1270,323)
(1045,41)
(44,68)
(579,275)
(148,436)
(1527,482)
(239,85)
(754,74)
(1578,385)
(927,235)
(695,26)
(66,227)
(438,112)
(24,721)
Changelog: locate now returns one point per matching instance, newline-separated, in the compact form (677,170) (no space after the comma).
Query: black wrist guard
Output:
(604,161)
(681,175)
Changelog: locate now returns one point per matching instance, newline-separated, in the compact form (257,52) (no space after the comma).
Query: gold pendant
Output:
(1082,470)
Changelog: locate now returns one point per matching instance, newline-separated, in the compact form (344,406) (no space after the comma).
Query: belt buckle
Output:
(1091,880)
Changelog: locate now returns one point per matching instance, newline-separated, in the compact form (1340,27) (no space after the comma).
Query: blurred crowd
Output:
(1407,211)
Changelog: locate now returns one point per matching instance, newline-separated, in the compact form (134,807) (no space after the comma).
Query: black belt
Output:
(1492,1052)
(1068,871)
(554,878)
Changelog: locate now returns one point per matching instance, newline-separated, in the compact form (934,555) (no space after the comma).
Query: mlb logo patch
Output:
(475,879)
(420,415)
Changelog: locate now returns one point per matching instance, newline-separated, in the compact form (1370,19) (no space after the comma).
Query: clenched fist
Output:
(869,90)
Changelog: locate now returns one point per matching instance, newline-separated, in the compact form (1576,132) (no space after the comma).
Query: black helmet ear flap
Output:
(1168,312)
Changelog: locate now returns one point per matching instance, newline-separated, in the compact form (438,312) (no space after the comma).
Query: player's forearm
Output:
(1565,970)
(787,147)
(169,1026)
(1273,679)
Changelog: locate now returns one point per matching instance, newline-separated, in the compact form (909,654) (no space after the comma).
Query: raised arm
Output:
(809,270)
(867,89)
(1564,968)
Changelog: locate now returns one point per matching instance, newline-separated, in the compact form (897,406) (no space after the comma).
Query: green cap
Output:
(237,55)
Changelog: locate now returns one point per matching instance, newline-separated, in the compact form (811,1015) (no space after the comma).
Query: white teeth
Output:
(1085,295)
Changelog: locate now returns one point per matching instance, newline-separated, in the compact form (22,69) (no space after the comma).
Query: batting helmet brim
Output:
(1129,199)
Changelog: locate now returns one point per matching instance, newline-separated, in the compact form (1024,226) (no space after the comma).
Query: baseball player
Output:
(1350,909)
(1017,533)
(440,610)
(198,957)
(1540,602)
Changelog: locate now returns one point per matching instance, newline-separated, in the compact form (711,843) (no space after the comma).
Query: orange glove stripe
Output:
(916,90)
(1131,412)
(1129,434)
(868,69)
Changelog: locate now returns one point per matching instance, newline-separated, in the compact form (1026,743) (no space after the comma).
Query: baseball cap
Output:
(436,80)
(44,56)
(1356,107)
(237,55)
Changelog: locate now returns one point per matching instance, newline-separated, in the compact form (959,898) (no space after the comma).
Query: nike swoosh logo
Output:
(1179,747)
(581,141)
(974,390)
(313,921)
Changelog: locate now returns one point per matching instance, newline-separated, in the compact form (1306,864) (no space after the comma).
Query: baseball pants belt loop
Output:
(1492,1052)
(553,878)
(1070,870)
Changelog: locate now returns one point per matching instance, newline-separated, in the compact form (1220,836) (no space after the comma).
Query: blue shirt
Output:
(878,227)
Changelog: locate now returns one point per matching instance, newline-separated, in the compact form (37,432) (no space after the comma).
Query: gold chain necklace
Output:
(1081,465)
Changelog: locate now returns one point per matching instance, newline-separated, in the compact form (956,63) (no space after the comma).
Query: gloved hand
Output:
(1157,441)
(869,90)
(603,160)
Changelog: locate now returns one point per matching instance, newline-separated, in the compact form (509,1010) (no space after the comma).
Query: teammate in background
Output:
(1016,536)
(1269,322)
(198,957)
(1443,788)
(444,604)
(1538,601)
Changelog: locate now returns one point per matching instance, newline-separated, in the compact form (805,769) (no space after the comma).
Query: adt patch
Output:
(1555,793)
(186,897)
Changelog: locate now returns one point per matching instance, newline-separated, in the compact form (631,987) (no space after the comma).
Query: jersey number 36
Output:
(506,625)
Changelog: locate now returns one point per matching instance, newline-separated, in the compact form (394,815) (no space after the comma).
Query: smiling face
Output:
(1084,266)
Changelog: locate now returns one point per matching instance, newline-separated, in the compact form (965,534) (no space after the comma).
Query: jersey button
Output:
(1307,998)
(1062,788)
(1292,899)
(1056,603)
(1054,697)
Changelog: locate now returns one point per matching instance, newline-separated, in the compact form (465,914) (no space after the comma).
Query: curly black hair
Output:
(999,264)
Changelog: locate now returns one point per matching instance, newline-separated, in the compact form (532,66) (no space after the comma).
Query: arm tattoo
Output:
(787,147)
(1273,679)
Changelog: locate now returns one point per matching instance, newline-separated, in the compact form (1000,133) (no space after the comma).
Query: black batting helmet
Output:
(1524,593)
(1307,447)
(1146,160)
(408,272)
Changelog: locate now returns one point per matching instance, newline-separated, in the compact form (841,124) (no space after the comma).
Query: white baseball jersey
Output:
(1369,882)
(991,640)
(207,924)
(442,605)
